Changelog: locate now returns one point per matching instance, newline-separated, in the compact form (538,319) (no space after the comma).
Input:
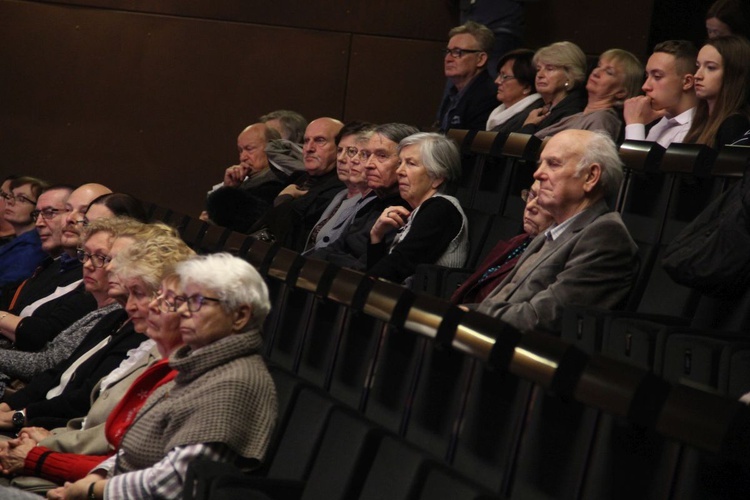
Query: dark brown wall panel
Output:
(394,80)
(594,25)
(150,104)
(420,19)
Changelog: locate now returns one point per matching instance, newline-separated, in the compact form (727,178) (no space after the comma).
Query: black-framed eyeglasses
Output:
(459,53)
(47,213)
(97,260)
(20,198)
(351,151)
(527,195)
(194,302)
(504,78)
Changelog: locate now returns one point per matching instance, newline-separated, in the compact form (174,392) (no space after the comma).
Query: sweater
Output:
(223,393)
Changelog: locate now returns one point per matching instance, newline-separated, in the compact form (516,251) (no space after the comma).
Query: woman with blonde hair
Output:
(560,73)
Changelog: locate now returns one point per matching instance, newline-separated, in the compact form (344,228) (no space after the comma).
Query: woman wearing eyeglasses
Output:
(7,233)
(68,455)
(20,257)
(345,205)
(515,91)
(222,403)
(64,392)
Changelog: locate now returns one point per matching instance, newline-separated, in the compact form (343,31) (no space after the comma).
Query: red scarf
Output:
(124,413)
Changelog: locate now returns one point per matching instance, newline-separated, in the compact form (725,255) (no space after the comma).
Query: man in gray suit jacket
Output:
(587,257)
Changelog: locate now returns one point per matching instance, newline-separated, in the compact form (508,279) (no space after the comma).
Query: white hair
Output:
(601,149)
(235,282)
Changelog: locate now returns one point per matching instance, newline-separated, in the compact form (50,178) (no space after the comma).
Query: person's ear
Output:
(240,318)
(482,59)
(688,82)
(592,178)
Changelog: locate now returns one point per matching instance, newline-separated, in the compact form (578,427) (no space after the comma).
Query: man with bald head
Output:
(299,206)
(54,297)
(587,256)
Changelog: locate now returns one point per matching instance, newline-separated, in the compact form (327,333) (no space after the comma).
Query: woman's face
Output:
(342,157)
(18,210)
(96,279)
(550,80)
(4,190)
(414,182)
(716,28)
(207,325)
(606,80)
(710,73)
(535,218)
(116,289)
(509,90)
(164,327)
(139,298)
(357,174)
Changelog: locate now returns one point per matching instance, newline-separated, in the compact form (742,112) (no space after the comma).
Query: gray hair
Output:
(601,149)
(292,123)
(235,282)
(439,155)
(481,33)
(395,132)
(569,56)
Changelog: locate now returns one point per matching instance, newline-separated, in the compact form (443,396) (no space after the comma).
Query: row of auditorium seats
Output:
(389,394)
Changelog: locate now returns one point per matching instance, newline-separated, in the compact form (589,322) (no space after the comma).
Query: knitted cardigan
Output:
(223,393)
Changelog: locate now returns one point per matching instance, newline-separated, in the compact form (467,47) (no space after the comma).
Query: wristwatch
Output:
(19,419)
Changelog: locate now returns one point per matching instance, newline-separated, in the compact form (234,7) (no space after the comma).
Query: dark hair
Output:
(685,54)
(733,13)
(354,128)
(10,177)
(734,95)
(292,123)
(37,185)
(122,205)
(524,70)
(396,132)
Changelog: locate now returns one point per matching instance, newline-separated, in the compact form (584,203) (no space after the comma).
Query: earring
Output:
(567,84)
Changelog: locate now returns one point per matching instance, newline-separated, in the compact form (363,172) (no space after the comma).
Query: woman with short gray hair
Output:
(435,230)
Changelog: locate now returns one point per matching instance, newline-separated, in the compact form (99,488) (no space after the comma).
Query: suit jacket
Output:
(593,263)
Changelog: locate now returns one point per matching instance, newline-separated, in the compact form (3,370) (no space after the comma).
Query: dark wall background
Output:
(148,96)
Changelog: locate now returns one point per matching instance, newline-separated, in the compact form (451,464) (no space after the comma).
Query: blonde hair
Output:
(567,55)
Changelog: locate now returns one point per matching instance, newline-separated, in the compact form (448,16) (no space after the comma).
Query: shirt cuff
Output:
(635,132)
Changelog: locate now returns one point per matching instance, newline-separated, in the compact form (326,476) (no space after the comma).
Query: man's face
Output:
(319,147)
(251,145)
(469,64)
(77,204)
(50,222)
(562,190)
(663,83)
(381,165)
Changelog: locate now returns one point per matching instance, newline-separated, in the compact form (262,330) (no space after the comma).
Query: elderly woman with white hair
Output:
(435,230)
(222,403)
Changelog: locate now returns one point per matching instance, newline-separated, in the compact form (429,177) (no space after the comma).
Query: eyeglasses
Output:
(527,195)
(12,198)
(351,151)
(319,141)
(194,302)
(47,213)
(459,53)
(97,260)
(164,304)
(504,78)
